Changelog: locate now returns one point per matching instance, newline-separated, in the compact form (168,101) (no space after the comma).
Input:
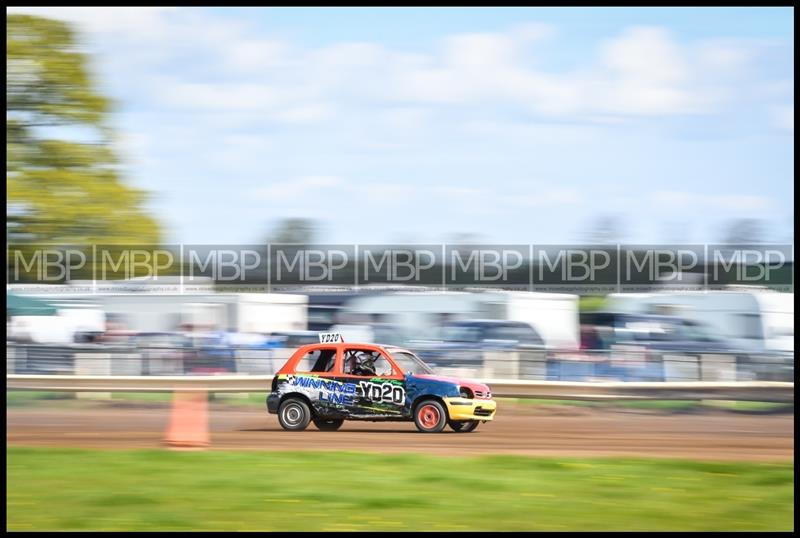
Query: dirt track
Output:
(519,429)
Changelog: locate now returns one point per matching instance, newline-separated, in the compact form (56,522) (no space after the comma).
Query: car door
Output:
(380,386)
(314,374)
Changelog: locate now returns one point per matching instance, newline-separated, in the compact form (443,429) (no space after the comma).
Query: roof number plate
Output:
(328,338)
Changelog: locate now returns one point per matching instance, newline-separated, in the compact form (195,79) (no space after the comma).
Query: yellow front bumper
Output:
(463,409)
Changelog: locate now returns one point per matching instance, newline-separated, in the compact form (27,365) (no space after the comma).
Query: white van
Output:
(756,320)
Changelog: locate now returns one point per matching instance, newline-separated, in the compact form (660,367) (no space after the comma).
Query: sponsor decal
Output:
(382,392)
(343,393)
(330,390)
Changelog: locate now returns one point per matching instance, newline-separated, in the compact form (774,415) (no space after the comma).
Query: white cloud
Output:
(297,188)
(726,56)
(679,200)
(548,197)
(220,96)
(742,202)
(307,113)
(383,193)
(646,54)
(642,71)
(144,22)
(251,55)
(368,193)
(459,192)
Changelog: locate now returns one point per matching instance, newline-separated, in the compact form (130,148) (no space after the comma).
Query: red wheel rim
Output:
(428,416)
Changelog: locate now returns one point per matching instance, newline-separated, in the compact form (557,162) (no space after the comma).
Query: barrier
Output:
(527,363)
(764,391)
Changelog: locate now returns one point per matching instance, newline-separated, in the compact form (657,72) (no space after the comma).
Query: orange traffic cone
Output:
(188,424)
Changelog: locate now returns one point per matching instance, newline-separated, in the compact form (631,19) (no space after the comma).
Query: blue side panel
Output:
(416,386)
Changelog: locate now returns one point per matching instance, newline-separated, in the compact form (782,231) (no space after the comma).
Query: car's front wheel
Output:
(463,426)
(430,416)
(328,425)
(294,414)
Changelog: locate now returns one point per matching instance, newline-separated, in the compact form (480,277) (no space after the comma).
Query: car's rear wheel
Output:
(294,414)
(463,426)
(328,425)
(430,416)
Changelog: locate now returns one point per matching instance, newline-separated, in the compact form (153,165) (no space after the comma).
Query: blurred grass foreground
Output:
(70,489)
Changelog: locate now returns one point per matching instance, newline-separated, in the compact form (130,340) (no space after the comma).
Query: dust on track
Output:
(518,429)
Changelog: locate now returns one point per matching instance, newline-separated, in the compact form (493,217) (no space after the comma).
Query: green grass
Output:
(70,489)
(747,406)
(247,398)
(20,398)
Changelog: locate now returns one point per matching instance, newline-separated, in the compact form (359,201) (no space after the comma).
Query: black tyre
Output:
(294,414)
(463,426)
(430,416)
(329,424)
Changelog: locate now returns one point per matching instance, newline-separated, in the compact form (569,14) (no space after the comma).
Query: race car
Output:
(333,381)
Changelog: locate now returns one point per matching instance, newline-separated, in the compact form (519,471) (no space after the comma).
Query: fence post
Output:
(532,364)
(503,364)
(716,367)
(681,368)
(93,364)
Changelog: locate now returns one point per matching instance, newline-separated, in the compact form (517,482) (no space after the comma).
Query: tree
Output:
(294,230)
(744,232)
(63,179)
(606,229)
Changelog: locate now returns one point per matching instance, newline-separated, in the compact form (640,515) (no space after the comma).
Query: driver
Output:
(365,364)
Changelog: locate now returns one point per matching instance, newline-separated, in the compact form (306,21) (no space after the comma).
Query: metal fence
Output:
(621,364)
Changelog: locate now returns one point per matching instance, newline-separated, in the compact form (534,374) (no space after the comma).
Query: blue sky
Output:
(519,125)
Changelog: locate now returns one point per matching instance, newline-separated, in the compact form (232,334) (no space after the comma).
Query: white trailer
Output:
(757,320)
(165,312)
(419,315)
(553,315)
(413,315)
(69,320)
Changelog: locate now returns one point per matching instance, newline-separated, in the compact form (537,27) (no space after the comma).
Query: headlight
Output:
(464,392)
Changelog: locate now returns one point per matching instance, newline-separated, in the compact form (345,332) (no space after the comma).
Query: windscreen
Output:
(410,364)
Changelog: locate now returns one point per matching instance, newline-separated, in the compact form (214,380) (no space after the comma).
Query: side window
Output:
(366,362)
(318,360)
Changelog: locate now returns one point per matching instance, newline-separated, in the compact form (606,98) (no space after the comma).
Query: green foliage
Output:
(589,303)
(62,188)
(67,489)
